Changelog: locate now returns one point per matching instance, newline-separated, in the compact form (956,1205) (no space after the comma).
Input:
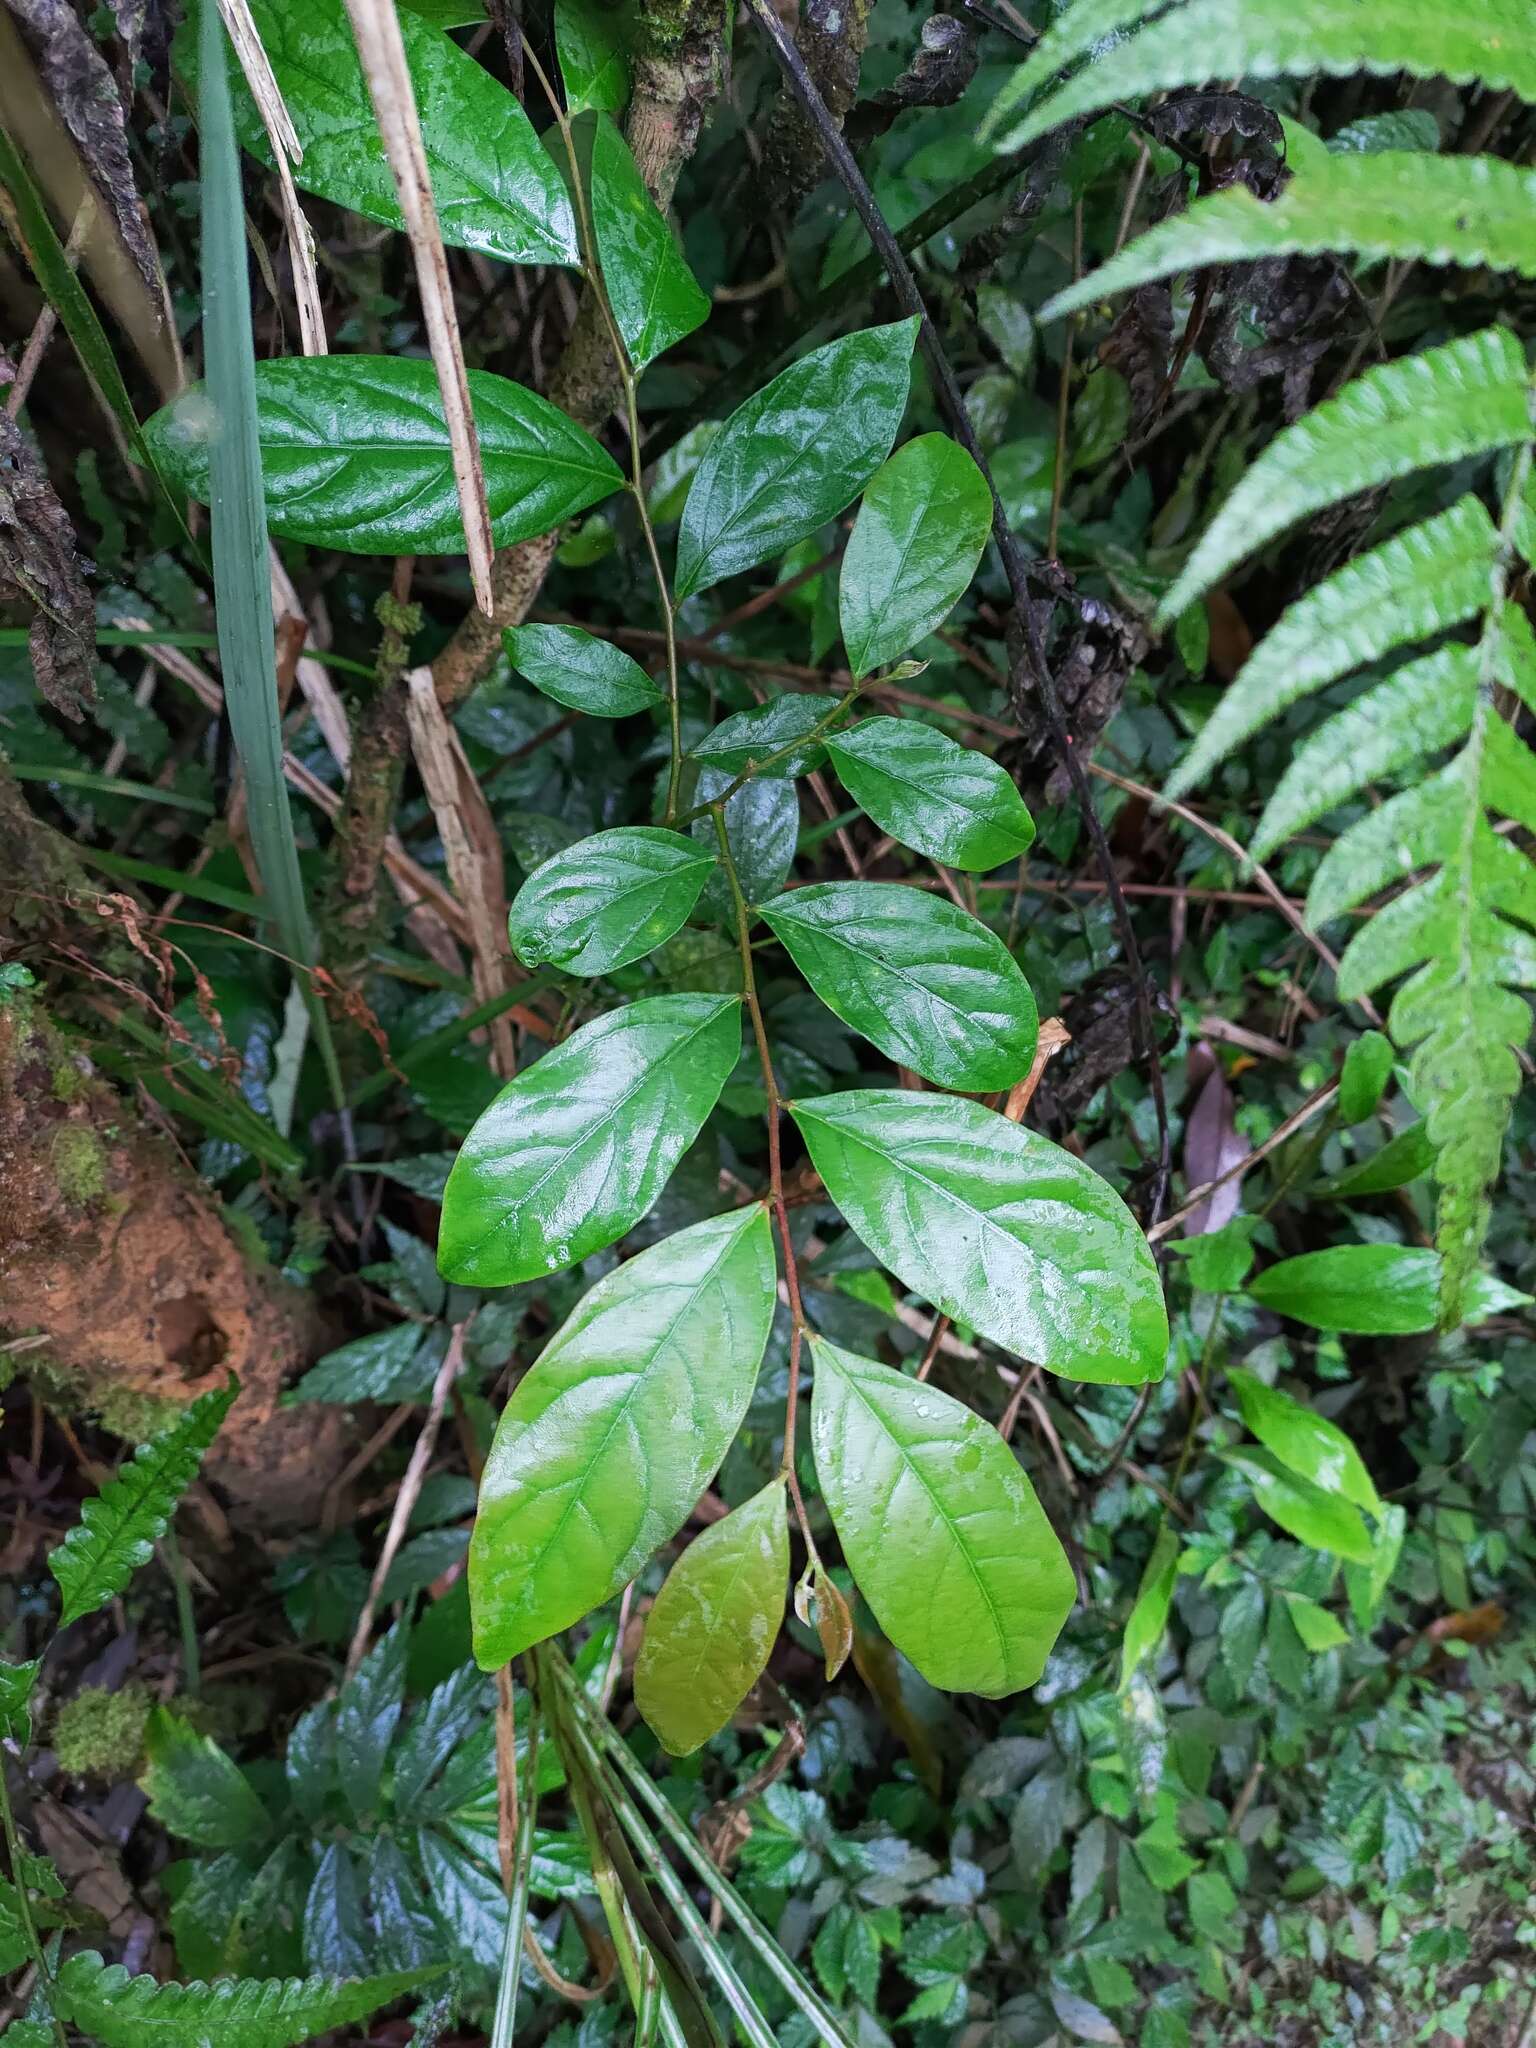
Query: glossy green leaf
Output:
(609,1440)
(16,1683)
(939,1525)
(609,899)
(573,1153)
(769,738)
(939,798)
(118,1529)
(1321,1520)
(708,1636)
(121,2011)
(392,1364)
(919,977)
(495,185)
(654,296)
(794,454)
(1367,1070)
(196,1790)
(1318,1629)
(1304,1440)
(1401,1160)
(578,669)
(594,66)
(762,824)
(925,519)
(355,455)
(1149,1616)
(1371,1290)
(996,1226)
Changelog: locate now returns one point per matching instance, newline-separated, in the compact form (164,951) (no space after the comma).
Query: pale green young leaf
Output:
(1304,1440)
(1367,1584)
(609,899)
(920,532)
(1426,580)
(794,454)
(195,1790)
(594,65)
(714,1621)
(939,1525)
(1464,398)
(1149,1616)
(1319,1630)
(581,671)
(119,1528)
(919,977)
(654,296)
(495,185)
(609,1440)
(1421,708)
(996,1226)
(121,2011)
(1323,1521)
(355,455)
(1253,39)
(935,796)
(573,1153)
(1371,1290)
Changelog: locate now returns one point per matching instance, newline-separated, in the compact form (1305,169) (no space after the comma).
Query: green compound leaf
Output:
(1400,204)
(121,2011)
(996,1226)
(355,455)
(920,532)
(794,454)
(939,798)
(1323,1521)
(609,899)
(573,1153)
(1462,399)
(609,1440)
(939,1525)
(1271,39)
(714,1623)
(1419,583)
(655,297)
(1371,1290)
(1305,1441)
(919,977)
(579,670)
(118,1530)
(495,185)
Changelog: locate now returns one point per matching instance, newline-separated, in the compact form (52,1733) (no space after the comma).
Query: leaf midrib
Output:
(939,1509)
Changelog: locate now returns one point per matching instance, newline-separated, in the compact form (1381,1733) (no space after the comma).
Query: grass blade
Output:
(242,587)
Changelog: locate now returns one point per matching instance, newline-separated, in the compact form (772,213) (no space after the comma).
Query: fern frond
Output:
(1402,203)
(118,1530)
(1258,39)
(1421,582)
(120,2011)
(1425,707)
(1465,398)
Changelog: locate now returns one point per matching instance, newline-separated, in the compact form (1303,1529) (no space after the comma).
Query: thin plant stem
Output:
(593,274)
(186,1620)
(505,2019)
(775,1168)
(755,768)
(1064,394)
(29,1933)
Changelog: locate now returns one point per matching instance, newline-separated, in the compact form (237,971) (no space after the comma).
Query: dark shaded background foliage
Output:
(1284,1829)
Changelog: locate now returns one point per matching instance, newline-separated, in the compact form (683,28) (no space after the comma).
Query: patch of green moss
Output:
(126,1412)
(69,1081)
(79,1164)
(101,1734)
